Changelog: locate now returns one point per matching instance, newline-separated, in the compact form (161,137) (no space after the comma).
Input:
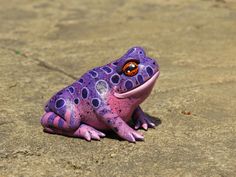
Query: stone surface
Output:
(45,45)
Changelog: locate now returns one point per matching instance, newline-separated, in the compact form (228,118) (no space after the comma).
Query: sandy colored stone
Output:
(46,45)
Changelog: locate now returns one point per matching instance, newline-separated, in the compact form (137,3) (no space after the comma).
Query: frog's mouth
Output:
(140,89)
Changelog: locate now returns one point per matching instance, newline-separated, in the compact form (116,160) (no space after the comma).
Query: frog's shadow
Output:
(113,135)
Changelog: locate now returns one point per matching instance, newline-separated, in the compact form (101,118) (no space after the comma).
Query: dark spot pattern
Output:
(107,69)
(60,123)
(140,79)
(115,79)
(51,119)
(95,102)
(71,89)
(84,92)
(104,111)
(60,103)
(76,100)
(115,63)
(128,84)
(149,71)
(81,80)
(93,74)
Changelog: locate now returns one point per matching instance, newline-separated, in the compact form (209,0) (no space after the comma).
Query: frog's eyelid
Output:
(132,59)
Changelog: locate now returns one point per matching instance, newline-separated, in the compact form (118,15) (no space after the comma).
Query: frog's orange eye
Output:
(130,69)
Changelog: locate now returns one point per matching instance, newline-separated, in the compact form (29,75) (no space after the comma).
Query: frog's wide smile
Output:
(138,90)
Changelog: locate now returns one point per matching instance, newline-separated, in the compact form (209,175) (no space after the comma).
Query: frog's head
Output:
(135,74)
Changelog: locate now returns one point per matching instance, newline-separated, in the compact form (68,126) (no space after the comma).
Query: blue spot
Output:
(149,71)
(115,79)
(107,69)
(95,102)
(115,63)
(76,101)
(93,74)
(71,89)
(60,103)
(60,123)
(140,79)
(84,93)
(129,85)
(51,119)
(81,80)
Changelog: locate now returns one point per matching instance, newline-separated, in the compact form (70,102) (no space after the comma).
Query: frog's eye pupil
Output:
(130,68)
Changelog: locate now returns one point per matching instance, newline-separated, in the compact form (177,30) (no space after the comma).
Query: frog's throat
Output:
(149,83)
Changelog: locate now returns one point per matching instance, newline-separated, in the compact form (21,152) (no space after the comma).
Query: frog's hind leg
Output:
(54,124)
(52,121)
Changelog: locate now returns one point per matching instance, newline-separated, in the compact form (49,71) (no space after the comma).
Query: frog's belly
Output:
(124,108)
(93,119)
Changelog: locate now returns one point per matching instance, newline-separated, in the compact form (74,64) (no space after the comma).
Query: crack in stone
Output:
(43,64)
(47,66)
(3,123)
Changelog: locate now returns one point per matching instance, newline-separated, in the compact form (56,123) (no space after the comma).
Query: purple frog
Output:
(105,98)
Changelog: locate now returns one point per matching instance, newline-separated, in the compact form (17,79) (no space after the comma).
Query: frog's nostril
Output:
(154,63)
(149,71)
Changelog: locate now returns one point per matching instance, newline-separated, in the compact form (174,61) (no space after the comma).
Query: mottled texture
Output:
(46,45)
(110,95)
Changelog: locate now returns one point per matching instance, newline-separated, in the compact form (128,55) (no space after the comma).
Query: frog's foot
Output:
(144,121)
(88,133)
(129,134)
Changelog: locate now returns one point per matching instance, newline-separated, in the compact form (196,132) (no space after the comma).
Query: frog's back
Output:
(82,92)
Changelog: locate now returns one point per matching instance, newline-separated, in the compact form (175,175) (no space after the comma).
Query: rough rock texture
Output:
(45,45)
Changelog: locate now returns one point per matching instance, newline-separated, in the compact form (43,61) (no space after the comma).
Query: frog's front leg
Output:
(142,120)
(117,124)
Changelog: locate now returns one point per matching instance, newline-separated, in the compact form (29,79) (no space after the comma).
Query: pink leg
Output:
(88,133)
(118,125)
(53,121)
(142,120)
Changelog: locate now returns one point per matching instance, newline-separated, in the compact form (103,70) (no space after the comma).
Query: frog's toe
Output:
(88,133)
(137,124)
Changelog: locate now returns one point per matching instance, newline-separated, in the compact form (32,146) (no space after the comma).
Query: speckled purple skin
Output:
(104,98)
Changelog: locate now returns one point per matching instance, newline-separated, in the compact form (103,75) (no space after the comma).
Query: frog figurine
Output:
(105,98)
